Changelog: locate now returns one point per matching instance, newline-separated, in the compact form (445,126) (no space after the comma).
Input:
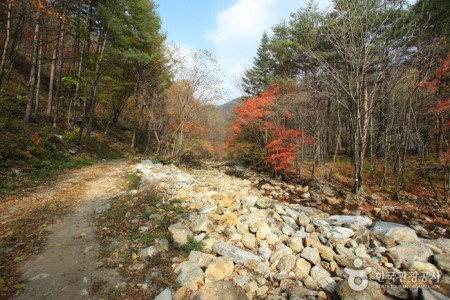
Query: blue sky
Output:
(230,29)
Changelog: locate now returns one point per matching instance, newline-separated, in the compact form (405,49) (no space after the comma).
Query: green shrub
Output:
(192,245)
(133,181)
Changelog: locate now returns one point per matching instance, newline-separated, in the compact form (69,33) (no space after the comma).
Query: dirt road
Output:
(67,266)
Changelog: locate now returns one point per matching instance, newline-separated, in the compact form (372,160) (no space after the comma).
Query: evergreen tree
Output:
(257,78)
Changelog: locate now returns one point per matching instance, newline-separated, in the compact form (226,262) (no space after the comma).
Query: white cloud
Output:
(244,20)
(238,31)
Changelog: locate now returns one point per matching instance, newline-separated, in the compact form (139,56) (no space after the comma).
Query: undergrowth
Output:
(192,245)
(133,223)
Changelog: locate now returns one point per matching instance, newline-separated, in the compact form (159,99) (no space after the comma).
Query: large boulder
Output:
(401,254)
(201,259)
(220,290)
(234,253)
(399,233)
(342,232)
(442,244)
(221,269)
(371,292)
(443,263)
(261,268)
(188,272)
(313,213)
(354,222)
(199,223)
(421,267)
(179,234)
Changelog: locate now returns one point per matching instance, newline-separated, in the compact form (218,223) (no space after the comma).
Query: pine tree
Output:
(257,78)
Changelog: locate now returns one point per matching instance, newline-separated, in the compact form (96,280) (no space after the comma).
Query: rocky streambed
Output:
(256,247)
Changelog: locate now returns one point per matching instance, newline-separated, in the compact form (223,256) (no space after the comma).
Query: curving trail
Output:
(67,267)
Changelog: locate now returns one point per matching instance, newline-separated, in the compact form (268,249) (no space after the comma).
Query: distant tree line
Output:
(108,57)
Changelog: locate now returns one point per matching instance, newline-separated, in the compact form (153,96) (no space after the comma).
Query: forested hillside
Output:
(366,84)
(82,80)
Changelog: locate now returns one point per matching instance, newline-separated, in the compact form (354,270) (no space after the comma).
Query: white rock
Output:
(302,268)
(349,221)
(201,259)
(264,252)
(397,232)
(208,209)
(179,234)
(165,295)
(221,269)
(286,263)
(279,253)
(311,255)
(234,253)
(249,241)
(296,244)
(188,272)
(262,232)
(272,239)
(148,252)
(342,232)
(287,230)
(261,268)
(323,279)
(199,223)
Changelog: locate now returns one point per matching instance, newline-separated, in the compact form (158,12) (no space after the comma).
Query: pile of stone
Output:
(259,248)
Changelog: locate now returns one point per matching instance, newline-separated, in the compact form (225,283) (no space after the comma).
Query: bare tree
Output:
(6,43)
(32,81)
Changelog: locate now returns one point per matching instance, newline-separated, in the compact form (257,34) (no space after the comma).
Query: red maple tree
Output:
(438,85)
(261,130)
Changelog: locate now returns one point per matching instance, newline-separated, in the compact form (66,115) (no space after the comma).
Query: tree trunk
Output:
(32,82)
(133,139)
(60,66)
(158,141)
(6,44)
(94,89)
(20,28)
(84,50)
(90,108)
(38,82)
(52,79)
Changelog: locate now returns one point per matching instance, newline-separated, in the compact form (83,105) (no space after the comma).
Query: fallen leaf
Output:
(134,256)
(19,285)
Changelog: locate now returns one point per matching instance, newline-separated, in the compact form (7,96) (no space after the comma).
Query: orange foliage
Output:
(439,85)
(260,122)
(283,147)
